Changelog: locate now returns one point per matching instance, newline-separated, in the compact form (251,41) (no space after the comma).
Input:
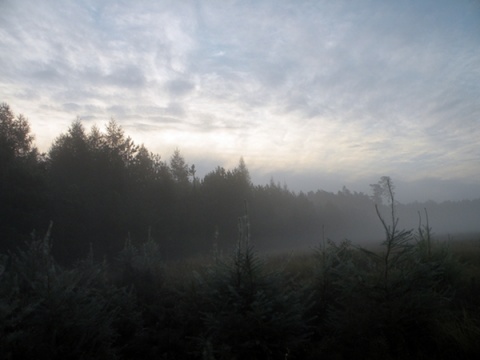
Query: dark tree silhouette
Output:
(22,188)
(100,188)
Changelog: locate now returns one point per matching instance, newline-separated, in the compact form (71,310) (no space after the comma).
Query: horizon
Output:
(406,192)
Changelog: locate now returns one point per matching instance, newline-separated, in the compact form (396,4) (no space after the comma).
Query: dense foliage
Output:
(412,299)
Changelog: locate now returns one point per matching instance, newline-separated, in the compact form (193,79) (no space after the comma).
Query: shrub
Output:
(249,312)
(383,305)
(47,312)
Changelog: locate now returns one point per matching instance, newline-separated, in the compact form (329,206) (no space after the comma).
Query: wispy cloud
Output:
(350,88)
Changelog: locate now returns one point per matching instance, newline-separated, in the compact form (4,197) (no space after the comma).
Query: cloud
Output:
(129,77)
(345,88)
(178,88)
(71,107)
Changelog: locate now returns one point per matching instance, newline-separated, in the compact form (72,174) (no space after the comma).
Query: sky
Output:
(314,94)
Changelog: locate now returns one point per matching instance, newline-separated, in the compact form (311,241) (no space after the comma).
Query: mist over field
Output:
(99,189)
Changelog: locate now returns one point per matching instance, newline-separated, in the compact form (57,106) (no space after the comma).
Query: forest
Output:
(110,251)
(99,189)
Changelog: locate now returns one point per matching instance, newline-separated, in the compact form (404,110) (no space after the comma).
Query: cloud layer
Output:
(348,90)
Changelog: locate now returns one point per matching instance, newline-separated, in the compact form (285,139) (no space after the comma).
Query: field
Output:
(411,298)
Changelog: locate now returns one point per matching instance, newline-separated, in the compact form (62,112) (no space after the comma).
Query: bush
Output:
(48,312)
(383,305)
(249,313)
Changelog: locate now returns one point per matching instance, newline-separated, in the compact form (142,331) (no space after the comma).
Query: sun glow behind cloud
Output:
(348,89)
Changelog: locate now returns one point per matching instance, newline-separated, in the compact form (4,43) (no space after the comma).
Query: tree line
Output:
(99,189)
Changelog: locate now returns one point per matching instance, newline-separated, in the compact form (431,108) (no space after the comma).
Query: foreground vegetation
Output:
(414,299)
